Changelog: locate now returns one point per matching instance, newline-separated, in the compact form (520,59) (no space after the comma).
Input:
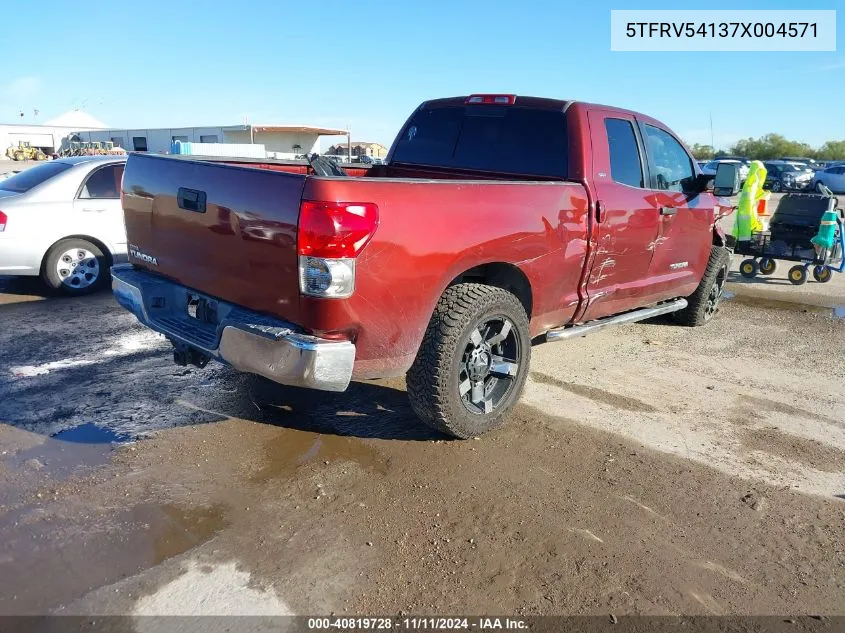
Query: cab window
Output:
(625,165)
(672,165)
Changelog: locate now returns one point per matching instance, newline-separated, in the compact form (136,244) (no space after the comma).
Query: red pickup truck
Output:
(495,220)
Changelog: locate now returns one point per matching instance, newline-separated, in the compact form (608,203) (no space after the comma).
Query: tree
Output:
(771,146)
(832,150)
(702,152)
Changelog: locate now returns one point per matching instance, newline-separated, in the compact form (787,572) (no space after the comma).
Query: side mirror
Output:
(726,182)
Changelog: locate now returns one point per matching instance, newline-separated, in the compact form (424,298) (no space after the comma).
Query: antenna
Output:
(712,142)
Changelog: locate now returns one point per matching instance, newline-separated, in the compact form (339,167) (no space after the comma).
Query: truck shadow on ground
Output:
(132,396)
(364,410)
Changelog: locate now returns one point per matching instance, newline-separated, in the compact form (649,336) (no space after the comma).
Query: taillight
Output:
(330,236)
(491,99)
(3,219)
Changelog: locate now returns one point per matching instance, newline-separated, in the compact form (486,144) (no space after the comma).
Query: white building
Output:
(280,141)
(48,136)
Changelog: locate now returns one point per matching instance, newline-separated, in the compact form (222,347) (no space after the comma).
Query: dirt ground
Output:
(651,469)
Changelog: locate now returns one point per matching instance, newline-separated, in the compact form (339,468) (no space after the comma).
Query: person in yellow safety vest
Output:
(752,192)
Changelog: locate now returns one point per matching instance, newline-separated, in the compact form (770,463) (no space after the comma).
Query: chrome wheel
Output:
(489,365)
(78,268)
(715,294)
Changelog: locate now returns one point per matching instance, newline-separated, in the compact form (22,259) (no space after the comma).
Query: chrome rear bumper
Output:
(248,341)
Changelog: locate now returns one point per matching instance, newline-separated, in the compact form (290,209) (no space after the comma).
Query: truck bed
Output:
(230,231)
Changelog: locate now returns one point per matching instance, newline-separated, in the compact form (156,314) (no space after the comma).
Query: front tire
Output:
(472,364)
(822,274)
(703,304)
(75,267)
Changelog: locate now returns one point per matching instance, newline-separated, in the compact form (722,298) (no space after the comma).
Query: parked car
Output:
(62,220)
(442,265)
(782,176)
(807,162)
(833,178)
(710,168)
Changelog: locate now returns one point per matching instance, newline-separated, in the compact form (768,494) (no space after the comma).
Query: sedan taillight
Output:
(3,220)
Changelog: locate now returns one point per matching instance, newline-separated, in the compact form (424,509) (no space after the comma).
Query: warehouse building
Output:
(279,141)
(49,136)
(358,148)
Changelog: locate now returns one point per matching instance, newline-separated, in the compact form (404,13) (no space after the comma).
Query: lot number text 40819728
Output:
(415,624)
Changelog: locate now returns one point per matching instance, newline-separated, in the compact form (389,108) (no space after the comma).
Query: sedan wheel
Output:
(75,267)
(78,268)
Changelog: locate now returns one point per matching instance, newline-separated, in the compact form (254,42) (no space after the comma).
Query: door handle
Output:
(668,210)
(92,210)
(191,199)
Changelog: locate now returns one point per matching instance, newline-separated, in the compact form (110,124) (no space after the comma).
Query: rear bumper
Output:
(248,341)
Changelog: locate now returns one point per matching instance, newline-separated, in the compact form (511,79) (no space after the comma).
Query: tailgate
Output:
(227,231)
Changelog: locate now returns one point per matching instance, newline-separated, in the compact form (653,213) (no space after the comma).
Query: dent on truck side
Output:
(431,232)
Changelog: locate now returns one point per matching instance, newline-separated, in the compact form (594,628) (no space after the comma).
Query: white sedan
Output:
(833,178)
(62,221)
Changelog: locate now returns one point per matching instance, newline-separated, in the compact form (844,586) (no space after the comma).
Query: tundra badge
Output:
(133,250)
(677,265)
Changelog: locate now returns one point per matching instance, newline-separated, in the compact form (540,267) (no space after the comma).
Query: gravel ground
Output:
(650,469)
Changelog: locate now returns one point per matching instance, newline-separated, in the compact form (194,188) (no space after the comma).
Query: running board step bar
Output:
(571,331)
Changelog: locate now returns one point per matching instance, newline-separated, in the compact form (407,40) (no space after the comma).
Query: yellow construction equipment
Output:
(109,148)
(24,151)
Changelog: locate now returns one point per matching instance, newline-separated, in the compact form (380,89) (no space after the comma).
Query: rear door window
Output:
(625,164)
(502,139)
(103,184)
(32,177)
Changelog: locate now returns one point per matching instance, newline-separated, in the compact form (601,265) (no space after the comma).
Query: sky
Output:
(367,64)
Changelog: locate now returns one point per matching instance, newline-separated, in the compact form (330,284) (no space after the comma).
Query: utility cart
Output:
(789,237)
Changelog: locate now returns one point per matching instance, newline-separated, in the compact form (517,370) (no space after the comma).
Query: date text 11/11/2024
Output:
(415,624)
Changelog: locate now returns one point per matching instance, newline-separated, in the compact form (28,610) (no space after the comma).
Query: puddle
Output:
(292,449)
(32,462)
(171,530)
(71,557)
(90,433)
(778,304)
(727,295)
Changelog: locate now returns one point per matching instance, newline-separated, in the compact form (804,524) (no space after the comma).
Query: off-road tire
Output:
(50,276)
(433,379)
(698,311)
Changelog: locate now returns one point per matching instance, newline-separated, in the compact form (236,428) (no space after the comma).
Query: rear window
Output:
(504,139)
(32,177)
